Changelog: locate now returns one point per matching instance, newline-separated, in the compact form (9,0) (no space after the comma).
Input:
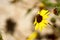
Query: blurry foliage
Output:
(29,10)
(0,37)
(52,5)
(53,20)
(47,3)
(13,1)
(58,1)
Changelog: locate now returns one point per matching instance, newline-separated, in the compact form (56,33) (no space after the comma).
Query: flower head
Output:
(41,19)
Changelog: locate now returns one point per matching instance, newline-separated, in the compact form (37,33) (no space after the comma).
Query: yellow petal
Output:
(43,12)
(45,21)
(37,26)
(45,17)
(42,27)
(47,14)
(35,21)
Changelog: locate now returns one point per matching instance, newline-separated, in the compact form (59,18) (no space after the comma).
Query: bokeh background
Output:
(54,8)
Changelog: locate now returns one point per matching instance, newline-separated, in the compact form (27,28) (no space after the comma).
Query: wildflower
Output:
(40,20)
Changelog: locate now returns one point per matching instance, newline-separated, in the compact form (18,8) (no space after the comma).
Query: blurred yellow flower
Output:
(40,20)
(32,36)
(41,5)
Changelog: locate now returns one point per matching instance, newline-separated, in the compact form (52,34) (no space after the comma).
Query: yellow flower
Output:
(32,36)
(40,23)
(41,20)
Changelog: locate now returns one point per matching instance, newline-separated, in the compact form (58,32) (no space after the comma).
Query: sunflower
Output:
(40,23)
(41,19)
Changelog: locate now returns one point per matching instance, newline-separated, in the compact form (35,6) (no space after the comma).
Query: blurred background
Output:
(54,26)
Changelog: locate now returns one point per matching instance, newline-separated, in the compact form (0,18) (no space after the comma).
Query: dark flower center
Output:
(39,18)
